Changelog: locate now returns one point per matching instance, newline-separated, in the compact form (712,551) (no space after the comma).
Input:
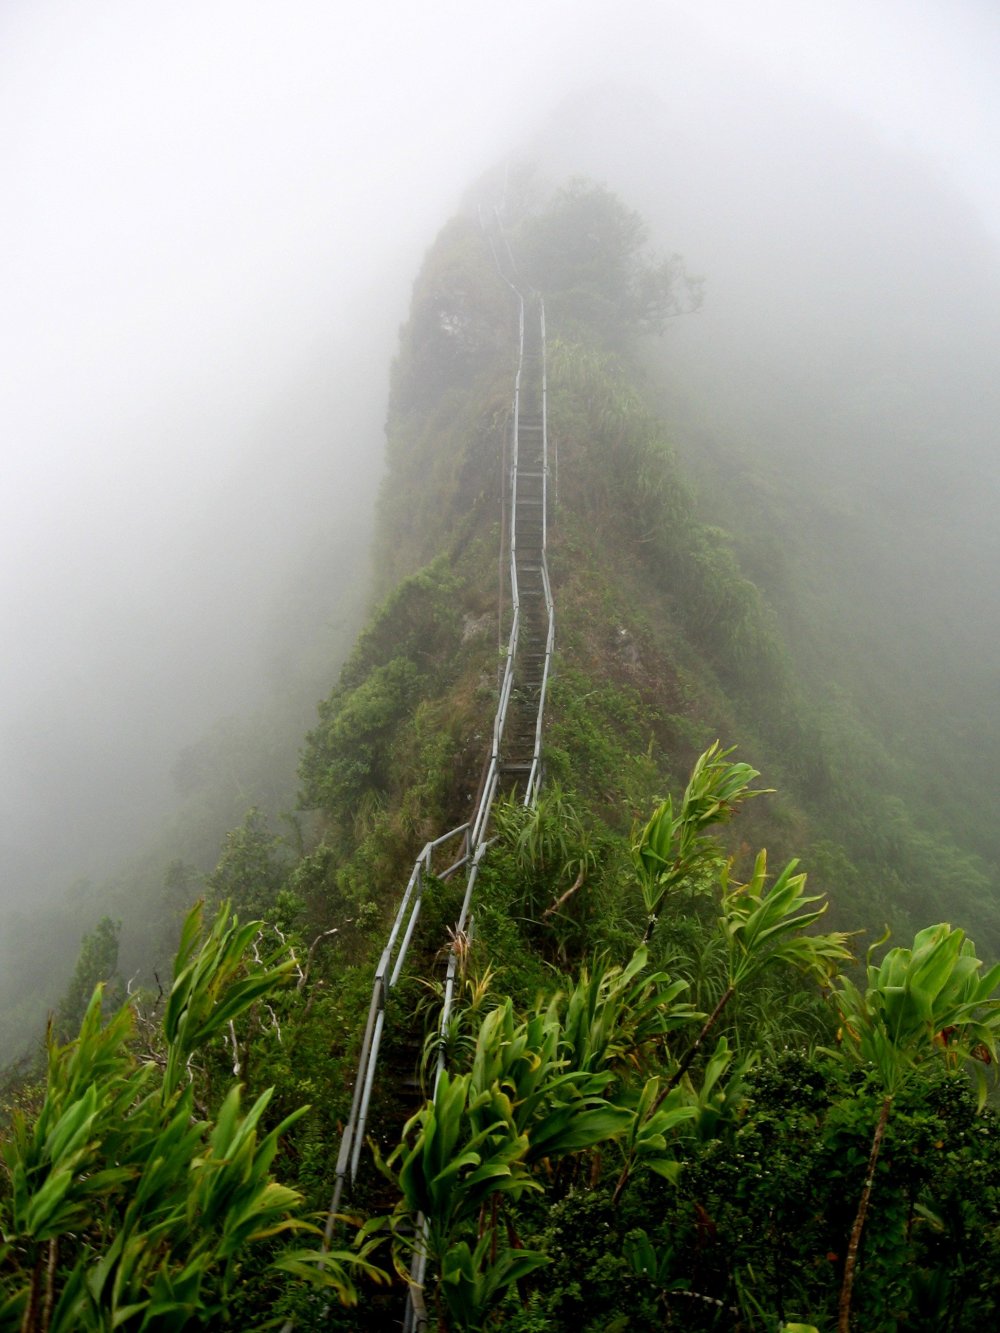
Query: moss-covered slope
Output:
(663,641)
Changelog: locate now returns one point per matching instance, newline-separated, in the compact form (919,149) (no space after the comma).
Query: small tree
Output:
(251,869)
(588,252)
(760,925)
(928,1002)
(96,965)
(673,849)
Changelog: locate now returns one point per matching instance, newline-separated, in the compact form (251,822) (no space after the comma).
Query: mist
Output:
(218,216)
(836,398)
(214,215)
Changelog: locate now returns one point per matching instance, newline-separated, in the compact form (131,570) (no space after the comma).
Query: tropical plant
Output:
(764,925)
(924,1003)
(645,1143)
(538,1089)
(130,1206)
(458,1155)
(615,1017)
(553,856)
(760,927)
(560,1106)
(670,849)
(474,1280)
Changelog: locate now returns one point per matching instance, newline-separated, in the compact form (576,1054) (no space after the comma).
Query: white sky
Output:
(201,198)
(195,191)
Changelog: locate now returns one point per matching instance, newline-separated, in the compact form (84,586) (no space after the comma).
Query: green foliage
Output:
(623,483)
(212,985)
(474,1281)
(921,1003)
(615,1017)
(728,616)
(557,1104)
(348,754)
(763,925)
(779,1195)
(129,1207)
(671,849)
(252,867)
(460,1154)
(465,1148)
(552,856)
(587,252)
(539,1089)
(548,837)
(753,1232)
(919,998)
(96,966)
(645,1144)
(599,731)
(417,621)
(380,737)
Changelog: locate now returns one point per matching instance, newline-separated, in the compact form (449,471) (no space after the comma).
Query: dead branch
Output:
(304,975)
(577,884)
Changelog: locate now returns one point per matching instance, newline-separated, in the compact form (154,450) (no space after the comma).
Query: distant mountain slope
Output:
(674,631)
(834,402)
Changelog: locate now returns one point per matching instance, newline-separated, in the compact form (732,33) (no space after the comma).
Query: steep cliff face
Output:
(664,643)
(643,1021)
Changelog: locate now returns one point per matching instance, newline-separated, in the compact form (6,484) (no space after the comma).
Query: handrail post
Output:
(474,833)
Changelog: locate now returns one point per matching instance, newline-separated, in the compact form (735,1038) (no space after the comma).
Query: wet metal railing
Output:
(474,841)
(416,1317)
(387,974)
(535,776)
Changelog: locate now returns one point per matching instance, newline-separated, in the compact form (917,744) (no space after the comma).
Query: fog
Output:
(213,216)
(837,392)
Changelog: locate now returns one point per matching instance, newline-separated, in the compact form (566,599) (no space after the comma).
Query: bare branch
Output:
(304,976)
(578,883)
(236,1050)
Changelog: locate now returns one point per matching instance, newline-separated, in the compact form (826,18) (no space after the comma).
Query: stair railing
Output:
(473,833)
(534,782)
(389,968)
(416,1316)
(387,974)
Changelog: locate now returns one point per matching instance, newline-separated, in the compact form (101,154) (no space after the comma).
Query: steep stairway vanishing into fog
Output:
(521,746)
(514,764)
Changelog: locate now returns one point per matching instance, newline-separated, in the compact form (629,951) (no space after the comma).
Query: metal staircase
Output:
(521,751)
(514,764)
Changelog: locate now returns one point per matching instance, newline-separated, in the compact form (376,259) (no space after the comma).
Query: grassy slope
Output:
(664,643)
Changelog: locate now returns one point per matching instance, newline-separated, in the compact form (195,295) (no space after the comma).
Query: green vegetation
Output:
(127,1204)
(611,1099)
(671,1099)
(588,253)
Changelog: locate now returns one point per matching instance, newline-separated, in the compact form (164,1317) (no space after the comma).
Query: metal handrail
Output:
(475,841)
(409,909)
(416,1319)
(535,775)
(387,974)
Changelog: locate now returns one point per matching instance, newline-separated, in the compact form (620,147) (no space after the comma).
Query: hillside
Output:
(663,644)
(660,627)
(833,405)
(641,1122)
